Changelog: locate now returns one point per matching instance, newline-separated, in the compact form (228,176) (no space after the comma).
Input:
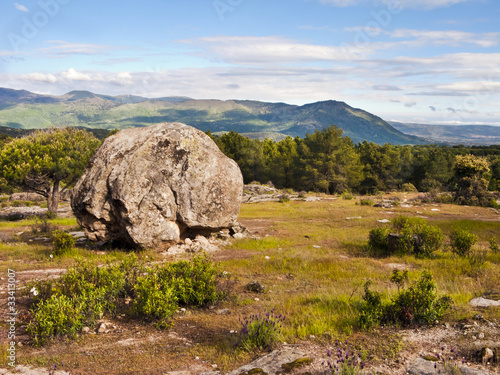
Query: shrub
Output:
(284,199)
(57,316)
(63,242)
(347,195)
(493,245)
(366,202)
(379,241)
(41,224)
(155,299)
(260,332)
(409,188)
(197,283)
(410,236)
(461,242)
(50,214)
(416,305)
(92,291)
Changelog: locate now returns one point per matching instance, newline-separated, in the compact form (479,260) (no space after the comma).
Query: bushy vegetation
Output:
(325,161)
(410,236)
(461,242)
(418,304)
(260,331)
(87,292)
(63,242)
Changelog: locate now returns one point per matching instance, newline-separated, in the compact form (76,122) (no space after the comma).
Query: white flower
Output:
(34,291)
(51,256)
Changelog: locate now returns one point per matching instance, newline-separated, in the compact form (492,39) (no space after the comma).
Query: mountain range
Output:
(26,110)
(467,135)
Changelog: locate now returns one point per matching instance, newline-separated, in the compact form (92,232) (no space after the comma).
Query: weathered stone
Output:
(156,185)
(420,366)
(277,362)
(484,302)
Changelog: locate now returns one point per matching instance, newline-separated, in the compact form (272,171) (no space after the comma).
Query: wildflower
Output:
(51,256)
(34,291)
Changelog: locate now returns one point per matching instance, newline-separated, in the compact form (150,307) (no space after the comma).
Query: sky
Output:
(424,61)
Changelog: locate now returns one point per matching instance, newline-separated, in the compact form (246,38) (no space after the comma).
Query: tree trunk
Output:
(53,198)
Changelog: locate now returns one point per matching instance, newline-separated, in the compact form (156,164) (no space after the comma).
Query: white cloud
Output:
(60,48)
(448,37)
(474,86)
(73,75)
(274,49)
(20,7)
(39,77)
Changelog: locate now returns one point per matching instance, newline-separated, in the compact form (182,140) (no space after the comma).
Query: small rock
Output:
(238,236)
(384,221)
(85,330)
(480,336)
(354,218)
(223,312)
(487,354)
(256,299)
(255,286)
(483,302)
(102,328)
(267,258)
(188,241)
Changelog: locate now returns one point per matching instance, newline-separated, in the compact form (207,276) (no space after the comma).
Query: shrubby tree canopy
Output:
(44,160)
(472,188)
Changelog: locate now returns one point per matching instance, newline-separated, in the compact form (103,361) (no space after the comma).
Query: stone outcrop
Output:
(151,186)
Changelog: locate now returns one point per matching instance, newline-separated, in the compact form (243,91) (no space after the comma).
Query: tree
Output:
(472,188)
(330,162)
(44,160)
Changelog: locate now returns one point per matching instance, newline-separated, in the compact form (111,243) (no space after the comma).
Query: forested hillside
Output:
(328,161)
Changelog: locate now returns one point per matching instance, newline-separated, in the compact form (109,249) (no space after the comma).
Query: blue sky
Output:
(429,61)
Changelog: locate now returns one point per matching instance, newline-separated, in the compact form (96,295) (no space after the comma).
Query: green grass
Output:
(316,281)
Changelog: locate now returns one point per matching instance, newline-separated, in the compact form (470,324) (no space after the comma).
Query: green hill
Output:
(24,110)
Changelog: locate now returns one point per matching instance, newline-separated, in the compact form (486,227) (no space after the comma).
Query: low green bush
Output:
(63,242)
(91,291)
(366,202)
(57,316)
(461,242)
(415,305)
(284,199)
(155,299)
(408,235)
(196,283)
(493,245)
(347,195)
(378,241)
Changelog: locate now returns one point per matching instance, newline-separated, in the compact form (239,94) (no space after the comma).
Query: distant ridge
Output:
(467,135)
(25,110)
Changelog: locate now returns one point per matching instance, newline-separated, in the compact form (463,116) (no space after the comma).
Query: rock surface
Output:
(156,185)
(421,366)
(276,362)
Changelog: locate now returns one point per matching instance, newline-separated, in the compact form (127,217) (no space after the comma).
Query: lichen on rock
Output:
(154,186)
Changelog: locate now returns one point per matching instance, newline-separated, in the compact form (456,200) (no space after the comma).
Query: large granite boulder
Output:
(156,185)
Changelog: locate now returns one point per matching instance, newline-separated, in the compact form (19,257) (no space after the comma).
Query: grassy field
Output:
(311,257)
